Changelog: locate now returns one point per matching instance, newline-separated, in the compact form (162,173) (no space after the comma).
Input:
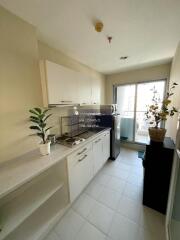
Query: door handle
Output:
(79,153)
(81,159)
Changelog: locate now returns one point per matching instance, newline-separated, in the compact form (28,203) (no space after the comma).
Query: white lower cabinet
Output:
(97,154)
(80,170)
(34,208)
(106,146)
(86,162)
(101,151)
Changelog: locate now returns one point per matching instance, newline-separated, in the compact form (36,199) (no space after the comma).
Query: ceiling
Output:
(147,31)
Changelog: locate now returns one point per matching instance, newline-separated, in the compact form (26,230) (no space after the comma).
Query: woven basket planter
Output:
(157,134)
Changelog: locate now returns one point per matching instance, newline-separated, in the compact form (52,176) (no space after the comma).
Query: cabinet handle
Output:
(79,153)
(65,101)
(106,134)
(81,159)
(98,140)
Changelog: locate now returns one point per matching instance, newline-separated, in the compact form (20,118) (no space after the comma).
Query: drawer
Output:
(98,139)
(106,133)
(76,156)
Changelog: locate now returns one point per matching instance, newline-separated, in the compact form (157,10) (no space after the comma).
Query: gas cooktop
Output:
(69,141)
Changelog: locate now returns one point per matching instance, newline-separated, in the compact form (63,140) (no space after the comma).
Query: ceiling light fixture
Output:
(109,38)
(123,57)
(98,26)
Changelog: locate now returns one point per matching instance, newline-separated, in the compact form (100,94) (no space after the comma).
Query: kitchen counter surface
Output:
(17,172)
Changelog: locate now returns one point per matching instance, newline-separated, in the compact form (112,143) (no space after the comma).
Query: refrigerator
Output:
(112,121)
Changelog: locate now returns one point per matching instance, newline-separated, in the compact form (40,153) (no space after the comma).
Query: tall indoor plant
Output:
(158,112)
(39,119)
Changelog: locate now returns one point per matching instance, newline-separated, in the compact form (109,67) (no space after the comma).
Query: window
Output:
(132,101)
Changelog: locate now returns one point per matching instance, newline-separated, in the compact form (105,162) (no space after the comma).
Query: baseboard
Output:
(134,146)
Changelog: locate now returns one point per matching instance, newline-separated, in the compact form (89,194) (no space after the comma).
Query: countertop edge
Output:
(34,160)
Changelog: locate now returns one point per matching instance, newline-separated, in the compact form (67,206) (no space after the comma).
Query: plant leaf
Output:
(34,118)
(48,129)
(46,110)
(40,134)
(42,124)
(34,112)
(35,128)
(35,121)
(38,110)
(47,117)
(41,116)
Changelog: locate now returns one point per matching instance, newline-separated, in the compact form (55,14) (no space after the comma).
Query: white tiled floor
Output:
(110,208)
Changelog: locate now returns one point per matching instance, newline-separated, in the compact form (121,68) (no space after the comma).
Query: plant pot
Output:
(157,134)
(44,148)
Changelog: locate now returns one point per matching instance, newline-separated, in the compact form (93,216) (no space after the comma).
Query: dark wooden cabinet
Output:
(157,164)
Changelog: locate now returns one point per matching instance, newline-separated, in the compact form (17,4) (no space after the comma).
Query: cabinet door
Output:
(80,171)
(98,154)
(61,84)
(106,146)
(96,91)
(84,89)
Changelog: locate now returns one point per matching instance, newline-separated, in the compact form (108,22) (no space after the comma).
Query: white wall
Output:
(174,77)
(20,87)
(140,75)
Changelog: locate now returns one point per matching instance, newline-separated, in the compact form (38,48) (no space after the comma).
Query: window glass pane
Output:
(129,108)
(125,102)
(145,92)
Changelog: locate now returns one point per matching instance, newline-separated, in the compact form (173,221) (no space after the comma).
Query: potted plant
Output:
(39,118)
(157,114)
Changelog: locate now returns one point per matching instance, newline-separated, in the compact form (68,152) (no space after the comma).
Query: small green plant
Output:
(39,119)
(159,110)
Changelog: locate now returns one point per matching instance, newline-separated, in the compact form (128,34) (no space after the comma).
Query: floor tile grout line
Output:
(86,220)
(97,200)
(80,227)
(133,167)
(115,212)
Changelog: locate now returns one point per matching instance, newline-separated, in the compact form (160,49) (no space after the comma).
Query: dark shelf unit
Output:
(157,164)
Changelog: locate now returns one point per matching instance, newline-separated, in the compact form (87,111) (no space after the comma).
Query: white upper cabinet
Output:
(84,89)
(61,84)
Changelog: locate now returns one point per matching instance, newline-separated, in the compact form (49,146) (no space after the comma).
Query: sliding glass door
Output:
(132,101)
(126,103)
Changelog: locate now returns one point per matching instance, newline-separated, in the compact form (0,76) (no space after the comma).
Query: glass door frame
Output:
(165,80)
(172,193)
